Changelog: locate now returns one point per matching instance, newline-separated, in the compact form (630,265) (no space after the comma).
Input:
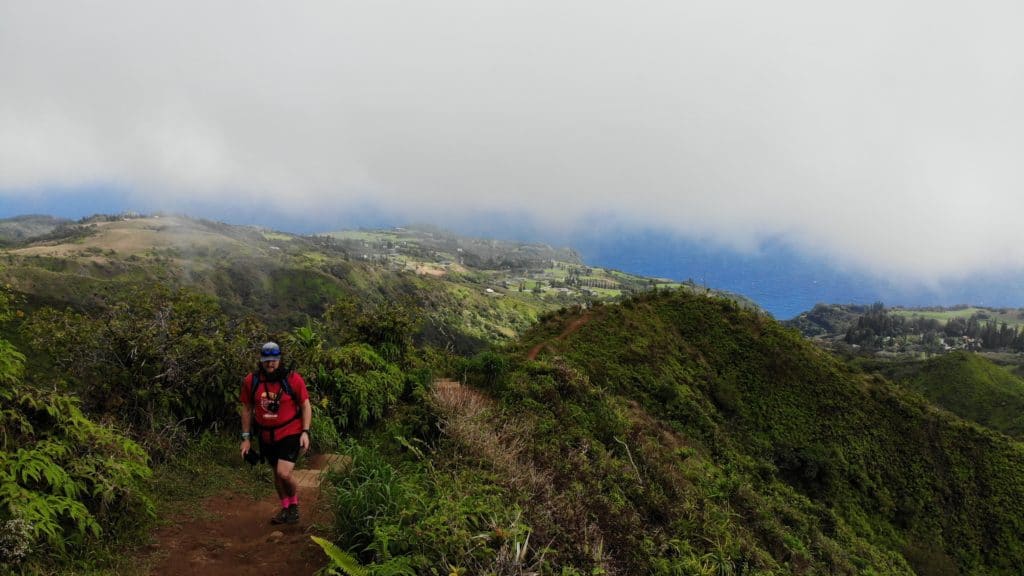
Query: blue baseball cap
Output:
(270,351)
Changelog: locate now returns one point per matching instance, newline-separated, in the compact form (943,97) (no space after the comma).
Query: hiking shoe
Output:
(282,516)
(292,515)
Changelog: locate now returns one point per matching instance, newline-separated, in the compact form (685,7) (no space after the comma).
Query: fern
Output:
(344,563)
(340,560)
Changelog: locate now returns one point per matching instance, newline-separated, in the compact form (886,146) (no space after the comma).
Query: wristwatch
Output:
(306,432)
(245,435)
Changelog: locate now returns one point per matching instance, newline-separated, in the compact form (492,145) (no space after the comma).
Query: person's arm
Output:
(246,427)
(307,420)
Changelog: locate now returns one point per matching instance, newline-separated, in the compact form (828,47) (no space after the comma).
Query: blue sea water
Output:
(780,280)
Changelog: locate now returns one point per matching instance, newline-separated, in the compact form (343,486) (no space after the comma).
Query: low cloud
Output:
(882,137)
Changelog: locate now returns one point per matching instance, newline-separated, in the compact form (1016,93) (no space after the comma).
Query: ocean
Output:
(780,280)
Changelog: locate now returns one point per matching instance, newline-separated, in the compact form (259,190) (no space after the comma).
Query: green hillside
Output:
(23,228)
(821,469)
(974,388)
(472,291)
(281,278)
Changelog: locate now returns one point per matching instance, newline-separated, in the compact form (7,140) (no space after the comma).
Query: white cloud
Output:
(884,136)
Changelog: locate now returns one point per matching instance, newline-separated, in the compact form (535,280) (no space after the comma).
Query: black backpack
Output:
(285,387)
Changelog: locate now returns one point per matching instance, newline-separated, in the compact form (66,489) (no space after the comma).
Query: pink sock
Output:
(295,499)
(285,502)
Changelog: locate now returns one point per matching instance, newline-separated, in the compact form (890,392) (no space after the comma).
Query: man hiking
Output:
(275,407)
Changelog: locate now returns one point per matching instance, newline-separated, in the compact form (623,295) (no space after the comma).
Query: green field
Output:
(1012,317)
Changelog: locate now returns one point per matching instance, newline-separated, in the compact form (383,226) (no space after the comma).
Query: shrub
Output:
(359,384)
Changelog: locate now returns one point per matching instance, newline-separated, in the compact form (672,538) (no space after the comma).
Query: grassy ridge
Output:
(758,398)
(974,388)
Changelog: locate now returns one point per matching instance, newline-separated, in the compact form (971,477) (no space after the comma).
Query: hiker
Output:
(275,407)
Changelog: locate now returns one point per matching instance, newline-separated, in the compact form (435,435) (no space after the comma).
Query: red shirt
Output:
(266,394)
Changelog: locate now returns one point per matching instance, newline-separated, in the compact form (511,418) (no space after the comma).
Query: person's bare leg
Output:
(284,481)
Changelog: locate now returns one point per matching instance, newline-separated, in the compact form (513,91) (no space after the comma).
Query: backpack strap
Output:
(288,388)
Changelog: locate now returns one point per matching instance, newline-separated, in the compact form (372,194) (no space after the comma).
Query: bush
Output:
(325,434)
(358,385)
(151,360)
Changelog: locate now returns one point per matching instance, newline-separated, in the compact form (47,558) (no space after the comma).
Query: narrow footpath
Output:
(572,327)
(234,534)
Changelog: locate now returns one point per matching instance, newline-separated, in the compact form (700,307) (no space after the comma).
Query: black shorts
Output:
(286,449)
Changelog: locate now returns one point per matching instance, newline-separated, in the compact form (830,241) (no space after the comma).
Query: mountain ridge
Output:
(741,386)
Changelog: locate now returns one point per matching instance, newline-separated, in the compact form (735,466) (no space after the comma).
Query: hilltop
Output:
(986,389)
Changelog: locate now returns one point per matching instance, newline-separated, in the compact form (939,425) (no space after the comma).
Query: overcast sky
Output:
(884,136)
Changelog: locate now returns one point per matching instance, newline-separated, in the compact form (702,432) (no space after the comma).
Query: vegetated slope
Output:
(281,278)
(827,320)
(811,466)
(974,388)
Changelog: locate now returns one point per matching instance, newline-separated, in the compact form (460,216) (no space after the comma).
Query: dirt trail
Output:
(235,536)
(572,327)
